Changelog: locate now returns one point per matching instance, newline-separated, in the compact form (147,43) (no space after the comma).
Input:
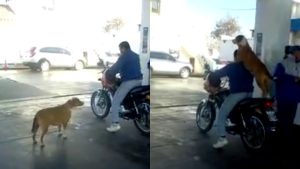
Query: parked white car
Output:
(108,58)
(166,64)
(214,63)
(44,58)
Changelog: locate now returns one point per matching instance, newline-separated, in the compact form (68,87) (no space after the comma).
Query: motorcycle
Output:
(135,106)
(254,119)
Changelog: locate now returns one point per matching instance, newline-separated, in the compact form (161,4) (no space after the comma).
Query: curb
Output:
(42,98)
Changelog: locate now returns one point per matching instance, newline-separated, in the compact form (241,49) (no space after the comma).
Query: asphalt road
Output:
(88,145)
(175,140)
(172,91)
(177,143)
(16,84)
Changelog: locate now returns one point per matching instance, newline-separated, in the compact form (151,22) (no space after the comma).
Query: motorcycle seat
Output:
(140,89)
(251,100)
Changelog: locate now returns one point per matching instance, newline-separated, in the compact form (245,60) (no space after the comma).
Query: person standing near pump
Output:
(128,66)
(287,82)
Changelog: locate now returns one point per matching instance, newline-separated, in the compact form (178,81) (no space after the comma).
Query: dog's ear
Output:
(240,40)
(70,100)
(243,42)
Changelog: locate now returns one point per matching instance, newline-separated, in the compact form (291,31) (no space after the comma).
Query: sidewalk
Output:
(88,144)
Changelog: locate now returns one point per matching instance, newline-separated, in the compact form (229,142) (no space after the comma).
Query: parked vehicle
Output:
(254,119)
(136,105)
(213,64)
(44,58)
(108,59)
(166,64)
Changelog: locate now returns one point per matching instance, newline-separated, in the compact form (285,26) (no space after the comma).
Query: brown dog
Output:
(253,64)
(55,116)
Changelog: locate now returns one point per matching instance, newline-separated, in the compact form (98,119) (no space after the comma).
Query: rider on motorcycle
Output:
(241,86)
(128,66)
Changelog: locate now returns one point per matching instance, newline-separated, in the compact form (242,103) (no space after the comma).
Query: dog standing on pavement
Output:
(253,64)
(55,116)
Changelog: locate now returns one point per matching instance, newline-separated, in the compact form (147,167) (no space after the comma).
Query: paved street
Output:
(172,91)
(16,84)
(88,145)
(177,143)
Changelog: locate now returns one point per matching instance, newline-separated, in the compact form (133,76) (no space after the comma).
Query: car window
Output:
(157,55)
(55,50)
(50,50)
(64,51)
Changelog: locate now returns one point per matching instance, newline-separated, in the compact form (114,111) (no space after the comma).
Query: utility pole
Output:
(145,41)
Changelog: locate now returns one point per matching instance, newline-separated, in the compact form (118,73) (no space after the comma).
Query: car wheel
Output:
(79,65)
(45,66)
(185,72)
(32,68)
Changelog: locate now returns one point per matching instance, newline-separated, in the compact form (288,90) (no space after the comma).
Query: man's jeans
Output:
(227,106)
(119,96)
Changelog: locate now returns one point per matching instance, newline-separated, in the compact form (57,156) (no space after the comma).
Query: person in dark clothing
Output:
(287,51)
(128,66)
(241,86)
(287,94)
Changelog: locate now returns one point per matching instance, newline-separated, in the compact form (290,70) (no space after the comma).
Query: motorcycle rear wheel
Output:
(254,136)
(142,122)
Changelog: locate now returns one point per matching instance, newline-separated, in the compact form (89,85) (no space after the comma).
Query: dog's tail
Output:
(35,125)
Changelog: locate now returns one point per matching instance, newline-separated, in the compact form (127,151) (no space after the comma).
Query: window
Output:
(64,51)
(50,50)
(55,50)
(158,55)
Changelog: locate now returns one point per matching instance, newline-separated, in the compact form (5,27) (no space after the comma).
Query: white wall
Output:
(275,27)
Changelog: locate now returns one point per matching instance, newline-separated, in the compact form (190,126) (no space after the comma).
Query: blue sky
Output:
(243,10)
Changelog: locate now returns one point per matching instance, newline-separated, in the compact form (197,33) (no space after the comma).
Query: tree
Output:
(226,26)
(113,24)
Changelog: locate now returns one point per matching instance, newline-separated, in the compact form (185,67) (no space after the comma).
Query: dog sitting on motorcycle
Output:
(241,87)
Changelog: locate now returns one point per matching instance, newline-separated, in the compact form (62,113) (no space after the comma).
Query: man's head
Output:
(240,40)
(124,46)
(296,52)
(288,49)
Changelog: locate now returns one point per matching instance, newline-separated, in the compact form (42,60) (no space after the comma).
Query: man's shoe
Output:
(220,143)
(114,127)
(229,123)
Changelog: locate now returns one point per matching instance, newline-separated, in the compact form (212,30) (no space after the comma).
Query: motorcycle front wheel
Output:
(205,117)
(100,103)
(254,135)
(142,122)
